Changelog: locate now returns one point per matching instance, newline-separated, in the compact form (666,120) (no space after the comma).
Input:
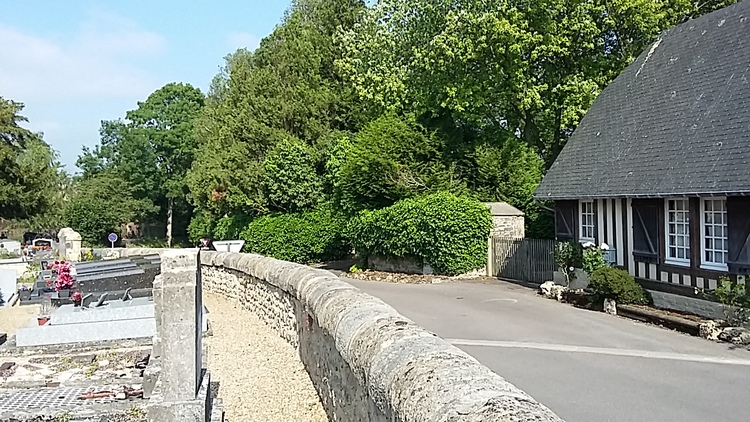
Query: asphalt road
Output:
(586,366)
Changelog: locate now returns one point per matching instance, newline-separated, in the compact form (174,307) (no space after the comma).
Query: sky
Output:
(75,63)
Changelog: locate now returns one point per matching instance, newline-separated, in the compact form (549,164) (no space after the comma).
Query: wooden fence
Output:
(529,260)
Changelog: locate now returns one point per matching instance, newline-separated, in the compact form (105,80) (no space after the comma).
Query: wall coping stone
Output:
(412,372)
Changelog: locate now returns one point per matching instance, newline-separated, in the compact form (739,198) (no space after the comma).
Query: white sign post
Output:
(112,239)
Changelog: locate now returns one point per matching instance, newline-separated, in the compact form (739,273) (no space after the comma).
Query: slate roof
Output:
(675,122)
(503,209)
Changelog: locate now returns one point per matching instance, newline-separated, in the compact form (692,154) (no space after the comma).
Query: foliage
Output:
(568,257)
(201,225)
(31,181)
(290,179)
(617,284)
(288,87)
(534,67)
(100,205)
(88,255)
(229,228)
(152,150)
(392,158)
(444,230)
(593,258)
(735,298)
(312,236)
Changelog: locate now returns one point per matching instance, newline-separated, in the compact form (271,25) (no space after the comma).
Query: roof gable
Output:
(674,122)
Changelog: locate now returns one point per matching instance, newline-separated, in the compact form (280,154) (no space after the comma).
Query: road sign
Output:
(112,239)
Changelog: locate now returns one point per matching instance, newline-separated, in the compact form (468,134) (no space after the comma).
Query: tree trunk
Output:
(170,205)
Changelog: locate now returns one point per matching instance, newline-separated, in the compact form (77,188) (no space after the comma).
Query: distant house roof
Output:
(675,122)
(503,209)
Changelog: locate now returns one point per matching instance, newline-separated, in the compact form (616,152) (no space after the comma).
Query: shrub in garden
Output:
(200,225)
(299,237)
(617,284)
(593,257)
(447,231)
(229,228)
(568,258)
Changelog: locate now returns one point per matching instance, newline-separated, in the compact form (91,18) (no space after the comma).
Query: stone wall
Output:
(367,361)
(508,226)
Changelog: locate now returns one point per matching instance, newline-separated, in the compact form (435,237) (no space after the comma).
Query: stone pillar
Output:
(180,393)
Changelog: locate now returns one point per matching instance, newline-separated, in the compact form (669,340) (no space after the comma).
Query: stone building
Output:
(507,220)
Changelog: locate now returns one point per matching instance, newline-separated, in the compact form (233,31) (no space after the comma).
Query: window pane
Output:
(681,253)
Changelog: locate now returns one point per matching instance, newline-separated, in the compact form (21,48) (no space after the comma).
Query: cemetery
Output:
(109,342)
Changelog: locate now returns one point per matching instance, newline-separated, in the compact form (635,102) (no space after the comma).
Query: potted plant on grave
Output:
(25,293)
(63,281)
(76,298)
(45,310)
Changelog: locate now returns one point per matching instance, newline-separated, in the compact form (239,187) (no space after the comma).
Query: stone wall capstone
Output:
(368,362)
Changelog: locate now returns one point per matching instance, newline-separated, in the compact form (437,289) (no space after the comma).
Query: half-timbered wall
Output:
(636,228)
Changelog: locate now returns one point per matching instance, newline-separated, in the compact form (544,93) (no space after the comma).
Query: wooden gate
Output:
(529,260)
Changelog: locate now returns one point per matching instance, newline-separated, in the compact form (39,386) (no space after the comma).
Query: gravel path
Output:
(261,376)
(11,319)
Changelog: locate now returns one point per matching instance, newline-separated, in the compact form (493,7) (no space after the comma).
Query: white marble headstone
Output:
(7,283)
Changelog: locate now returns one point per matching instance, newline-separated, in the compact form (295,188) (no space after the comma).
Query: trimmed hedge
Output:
(617,284)
(229,228)
(444,230)
(313,236)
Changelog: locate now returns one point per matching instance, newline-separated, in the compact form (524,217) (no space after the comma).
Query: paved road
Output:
(584,365)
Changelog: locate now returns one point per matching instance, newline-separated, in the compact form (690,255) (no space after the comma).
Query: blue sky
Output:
(75,63)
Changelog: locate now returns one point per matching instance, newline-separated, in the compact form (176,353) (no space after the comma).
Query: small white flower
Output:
(588,244)
(604,247)
(570,269)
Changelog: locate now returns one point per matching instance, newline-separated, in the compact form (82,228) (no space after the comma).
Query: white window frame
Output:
(581,226)
(667,258)
(707,265)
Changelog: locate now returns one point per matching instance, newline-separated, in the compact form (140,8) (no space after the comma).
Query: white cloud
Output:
(94,63)
(243,40)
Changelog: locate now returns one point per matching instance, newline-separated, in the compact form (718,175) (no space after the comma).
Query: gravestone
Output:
(86,300)
(126,296)
(101,300)
(12,246)
(7,284)
(70,244)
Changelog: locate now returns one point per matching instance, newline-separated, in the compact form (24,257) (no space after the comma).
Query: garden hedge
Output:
(446,231)
(308,237)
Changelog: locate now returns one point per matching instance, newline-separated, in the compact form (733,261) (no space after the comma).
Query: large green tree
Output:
(288,87)
(152,149)
(31,180)
(531,67)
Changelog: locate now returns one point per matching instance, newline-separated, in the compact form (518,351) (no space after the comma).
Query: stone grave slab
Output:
(7,284)
(113,310)
(86,332)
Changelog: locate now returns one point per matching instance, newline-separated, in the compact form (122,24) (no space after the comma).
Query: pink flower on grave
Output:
(64,279)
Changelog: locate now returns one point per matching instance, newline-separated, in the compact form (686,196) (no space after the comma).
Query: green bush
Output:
(229,228)
(313,236)
(201,225)
(93,220)
(593,259)
(392,158)
(617,284)
(447,231)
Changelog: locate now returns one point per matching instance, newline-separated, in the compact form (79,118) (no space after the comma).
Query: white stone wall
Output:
(508,226)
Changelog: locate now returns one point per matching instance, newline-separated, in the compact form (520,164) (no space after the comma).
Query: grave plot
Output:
(63,384)
(110,276)
(106,318)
